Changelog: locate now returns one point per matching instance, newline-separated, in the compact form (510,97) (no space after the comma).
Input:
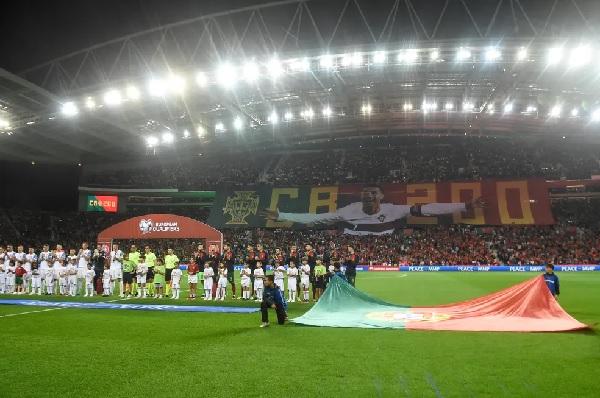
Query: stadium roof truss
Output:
(350,96)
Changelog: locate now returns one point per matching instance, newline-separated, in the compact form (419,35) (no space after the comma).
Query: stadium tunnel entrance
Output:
(161,226)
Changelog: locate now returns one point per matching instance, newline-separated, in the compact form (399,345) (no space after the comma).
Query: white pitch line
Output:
(31,312)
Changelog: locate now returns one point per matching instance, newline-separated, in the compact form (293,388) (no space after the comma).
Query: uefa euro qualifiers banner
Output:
(376,209)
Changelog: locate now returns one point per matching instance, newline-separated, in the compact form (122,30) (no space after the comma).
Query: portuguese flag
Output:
(526,307)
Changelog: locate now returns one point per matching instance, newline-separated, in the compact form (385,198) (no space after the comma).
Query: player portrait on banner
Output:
(371,215)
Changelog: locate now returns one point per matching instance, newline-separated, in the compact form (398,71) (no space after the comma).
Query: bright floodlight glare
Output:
(434,55)
(219,127)
(132,93)
(157,87)
(90,103)
(326,61)
(151,141)
(555,55)
(274,68)
(309,113)
(273,118)
(201,131)
(300,65)
(238,123)
(490,109)
(357,59)
(4,124)
(366,108)
(531,109)
(112,97)
(288,116)
(508,108)
(250,71)
(379,57)
(448,106)
(555,111)
(176,84)
(168,137)
(467,106)
(327,111)
(226,75)
(596,115)
(463,54)
(580,56)
(69,109)
(492,54)
(186,133)
(574,112)
(201,79)
(410,56)
(522,54)
(346,60)
(407,106)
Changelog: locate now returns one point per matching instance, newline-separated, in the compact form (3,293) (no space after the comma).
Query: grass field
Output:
(118,353)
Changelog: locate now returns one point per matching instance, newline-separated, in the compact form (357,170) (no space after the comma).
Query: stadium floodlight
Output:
(580,56)
(250,71)
(508,108)
(151,141)
(448,106)
(186,133)
(531,109)
(274,68)
(132,93)
(113,97)
(90,103)
(366,109)
(463,54)
(4,124)
(574,112)
(490,109)
(492,54)
(428,106)
(379,57)
(201,131)
(408,56)
(308,114)
(467,106)
(596,115)
(157,88)
(219,127)
(300,65)
(238,123)
(226,75)
(327,111)
(168,137)
(555,55)
(273,117)
(288,116)
(407,107)
(326,61)
(434,55)
(346,60)
(357,59)
(555,111)
(522,54)
(69,109)
(201,79)
(176,84)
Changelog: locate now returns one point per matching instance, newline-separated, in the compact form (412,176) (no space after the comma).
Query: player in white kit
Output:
(245,277)
(30,259)
(292,274)
(279,274)
(83,258)
(9,256)
(222,283)
(209,274)
(106,281)
(141,272)
(10,277)
(20,257)
(176,281)
(259,276)
(72,272)
(89,281)
(305,279)
(2,271)
(59,257)
(63,278)
(116,267)
(45,260)
(36,279)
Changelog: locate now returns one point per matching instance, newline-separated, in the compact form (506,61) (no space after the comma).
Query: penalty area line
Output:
(48,309)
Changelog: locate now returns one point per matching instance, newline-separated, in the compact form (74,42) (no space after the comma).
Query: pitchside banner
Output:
(376,209)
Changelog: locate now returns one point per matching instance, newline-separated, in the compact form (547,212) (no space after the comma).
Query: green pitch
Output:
(117,353)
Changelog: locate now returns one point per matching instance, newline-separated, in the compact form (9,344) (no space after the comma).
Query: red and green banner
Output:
(381,208)
(526,307)
(107,204)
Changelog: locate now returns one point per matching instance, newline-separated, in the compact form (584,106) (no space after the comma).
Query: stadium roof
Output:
(292,70)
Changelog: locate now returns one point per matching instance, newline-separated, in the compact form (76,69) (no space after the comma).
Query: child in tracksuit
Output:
(552,280)
(272,298)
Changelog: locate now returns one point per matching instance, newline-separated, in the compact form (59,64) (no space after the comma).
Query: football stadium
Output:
(353,198)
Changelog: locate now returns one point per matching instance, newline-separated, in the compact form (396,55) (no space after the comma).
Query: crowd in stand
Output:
(420,160)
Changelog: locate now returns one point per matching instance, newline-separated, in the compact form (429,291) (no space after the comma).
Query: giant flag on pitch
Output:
(526,307)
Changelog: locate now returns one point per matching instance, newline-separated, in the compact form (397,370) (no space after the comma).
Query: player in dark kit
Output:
(229,261)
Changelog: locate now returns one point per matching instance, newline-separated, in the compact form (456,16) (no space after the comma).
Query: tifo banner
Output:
(106,204)
(377,209)
(526,307)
